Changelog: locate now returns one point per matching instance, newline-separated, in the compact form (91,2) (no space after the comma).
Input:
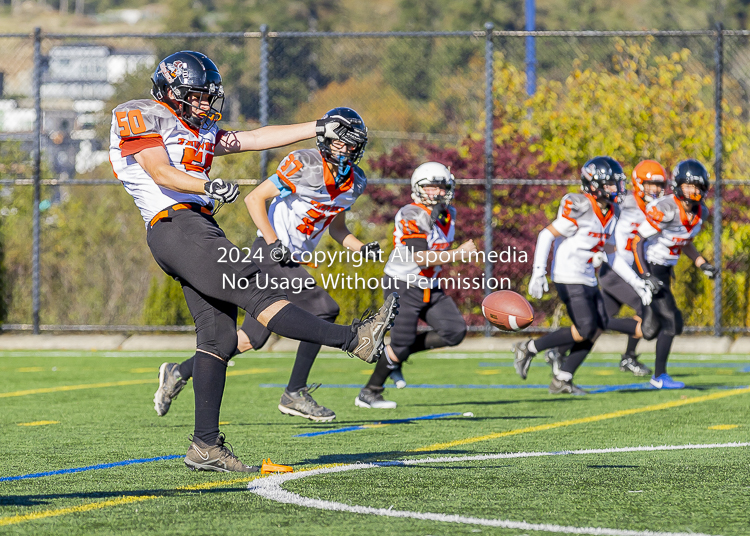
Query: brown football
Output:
(508,310)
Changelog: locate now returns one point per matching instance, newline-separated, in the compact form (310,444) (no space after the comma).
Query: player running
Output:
(672,223)
(584,224)
(310,192)
(162,151)
(422,237)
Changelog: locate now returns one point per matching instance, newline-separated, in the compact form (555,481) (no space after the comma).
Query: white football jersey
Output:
(140,124)
(414,221)
(632,215)
(585,230)
(309,199)
(672,228)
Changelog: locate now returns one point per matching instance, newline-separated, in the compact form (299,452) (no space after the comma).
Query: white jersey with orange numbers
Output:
(584,229)
(141,124)
(632,215)
(414,221)
(669,228)
(309,199)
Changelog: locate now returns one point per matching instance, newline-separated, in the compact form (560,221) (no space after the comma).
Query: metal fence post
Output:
(263,93)
(35,264)
(718,159)
(489,166)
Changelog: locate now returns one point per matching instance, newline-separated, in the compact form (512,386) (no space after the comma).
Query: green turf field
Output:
(67,410)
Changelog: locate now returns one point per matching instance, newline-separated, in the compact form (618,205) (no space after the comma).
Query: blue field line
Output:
(379,423)
(742,366)
(90,468)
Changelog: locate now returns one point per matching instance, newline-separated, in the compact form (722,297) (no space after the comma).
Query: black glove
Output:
(280,253)
(371,251)
(225,192)
(440,213)
(709,270)
(339,128)
(653,283)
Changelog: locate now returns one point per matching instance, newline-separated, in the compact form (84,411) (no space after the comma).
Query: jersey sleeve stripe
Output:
(133,145)
(286,181)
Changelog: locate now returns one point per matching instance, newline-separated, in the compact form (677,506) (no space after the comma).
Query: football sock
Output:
(306,354)
(563,350)
(561,337)
(209,376)
(186,368)
(663,346)
(623,325)
(632,343)
(380,374)
(295,323)
(577,354)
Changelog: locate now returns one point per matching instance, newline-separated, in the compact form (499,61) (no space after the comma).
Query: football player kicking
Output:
(162,151)
(649,181)
(310,192)
(672,223)
(423,234)
(584,224)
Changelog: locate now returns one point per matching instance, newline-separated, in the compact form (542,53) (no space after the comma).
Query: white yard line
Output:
(271,488)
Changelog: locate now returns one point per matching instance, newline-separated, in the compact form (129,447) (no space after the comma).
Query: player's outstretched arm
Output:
(155,162)
(538,284)
(699,260)
(255,202)
(341,233)
(264,138)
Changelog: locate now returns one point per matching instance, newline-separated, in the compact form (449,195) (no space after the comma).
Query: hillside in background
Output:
(118,16)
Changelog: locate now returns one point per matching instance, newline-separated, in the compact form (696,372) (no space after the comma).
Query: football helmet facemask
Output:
(432,174)
(353,133)
(193,79)
(601,171)
(690,172)
(648,171)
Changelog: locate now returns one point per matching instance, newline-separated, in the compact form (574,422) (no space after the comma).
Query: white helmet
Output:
(432,174)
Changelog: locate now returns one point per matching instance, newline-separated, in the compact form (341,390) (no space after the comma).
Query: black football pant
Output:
(189,246)
(670,317)
(432,306)
(585,307)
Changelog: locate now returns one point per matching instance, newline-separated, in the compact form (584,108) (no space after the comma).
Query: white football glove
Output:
(538,285)
(598,258)
(643,290)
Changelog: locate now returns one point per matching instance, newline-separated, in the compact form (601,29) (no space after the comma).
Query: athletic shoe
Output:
(554,359)
(201,457)
(665,381)
(372,329)
(629,362)
(398,378)
(559,387)
(523,358)
(301,404)
(372,397)
(170,385)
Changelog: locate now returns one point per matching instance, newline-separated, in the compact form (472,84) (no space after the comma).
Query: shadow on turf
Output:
(37,500)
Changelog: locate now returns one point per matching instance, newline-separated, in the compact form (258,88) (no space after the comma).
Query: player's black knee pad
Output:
(454,337)
(587,330)
(671,323)
(322,305)
(223,343)
(650,324)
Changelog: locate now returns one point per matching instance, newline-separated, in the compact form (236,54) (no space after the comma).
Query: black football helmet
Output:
(603,170)
(188,72)
(353,132)
(690,172)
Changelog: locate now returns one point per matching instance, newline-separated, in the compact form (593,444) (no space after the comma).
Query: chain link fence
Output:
(74,244)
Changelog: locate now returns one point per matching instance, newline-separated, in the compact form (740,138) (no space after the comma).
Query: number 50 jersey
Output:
(309,199)
(140,124)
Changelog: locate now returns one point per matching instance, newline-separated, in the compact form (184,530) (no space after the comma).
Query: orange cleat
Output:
(269,467)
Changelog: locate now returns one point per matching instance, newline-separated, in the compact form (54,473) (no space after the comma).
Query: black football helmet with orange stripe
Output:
(599,171)
(351,130)
(190,75)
